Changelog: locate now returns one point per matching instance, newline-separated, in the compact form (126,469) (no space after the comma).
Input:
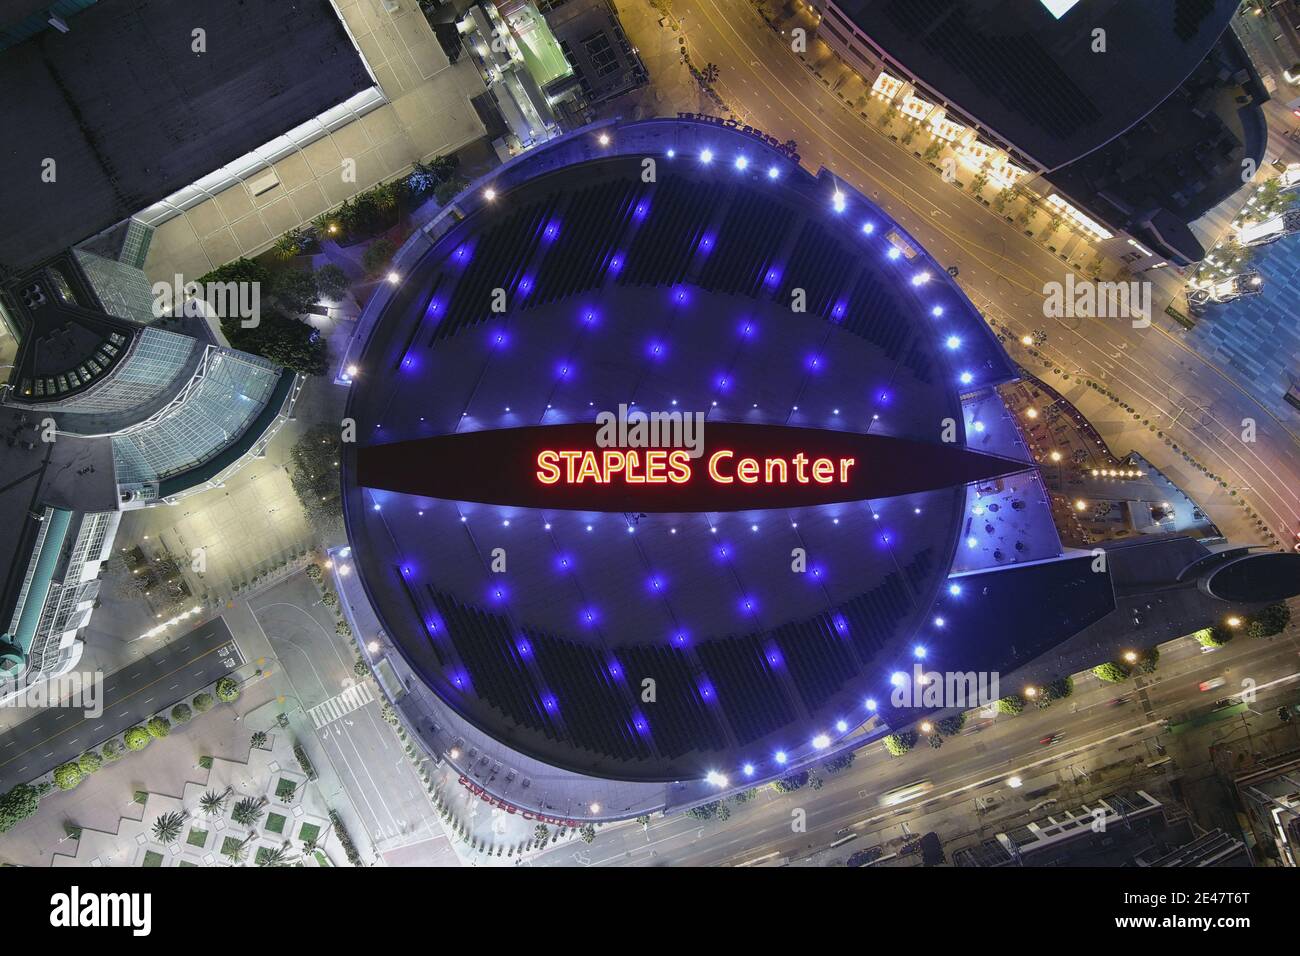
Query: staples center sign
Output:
(585,467)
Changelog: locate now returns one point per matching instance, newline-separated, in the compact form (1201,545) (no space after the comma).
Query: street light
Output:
(1014,782)
(1131,657)
(1234,621)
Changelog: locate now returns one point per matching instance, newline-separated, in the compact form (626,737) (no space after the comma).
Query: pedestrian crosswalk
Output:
(341,704)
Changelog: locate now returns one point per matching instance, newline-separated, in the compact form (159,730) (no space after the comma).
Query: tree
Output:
(331,281)
(158,727)
(314,475)
(258,740)
(1058,689)
(587,833)
(1269,621)
(112,750)
(167,828)
(448,190)
(89,762)
(236,852)
(841,762)
(1215,636)
(182,714)
(293,291)
(17,805)
(159,579)
(1011,705)
(248,811)
(361,668)
(277,856)
(240,270)
(900,743)
(213,804)
(375,258)
(227,690)
(293,243)
(1113,672)
(283,339)
(1147,661)
(951,726)
(791,783)
(203,702)
(67,776)
(137,738)
(541,833)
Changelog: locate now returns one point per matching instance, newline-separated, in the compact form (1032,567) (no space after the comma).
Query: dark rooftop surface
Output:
(129,113)
(1034,79)
(71,473)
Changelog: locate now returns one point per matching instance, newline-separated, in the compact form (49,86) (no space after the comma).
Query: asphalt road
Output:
(363,750)
(55,735)
(976,763)
(1198,405)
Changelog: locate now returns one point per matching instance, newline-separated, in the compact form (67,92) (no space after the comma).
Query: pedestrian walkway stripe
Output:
(340,704)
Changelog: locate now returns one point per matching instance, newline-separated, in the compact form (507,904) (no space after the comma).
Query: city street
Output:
(1198,406)
(50,736)
(976,763)
(343,713)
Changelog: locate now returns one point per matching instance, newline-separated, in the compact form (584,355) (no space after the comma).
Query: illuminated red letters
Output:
(658,467)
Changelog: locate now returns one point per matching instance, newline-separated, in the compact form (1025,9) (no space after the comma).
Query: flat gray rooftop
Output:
(130,113)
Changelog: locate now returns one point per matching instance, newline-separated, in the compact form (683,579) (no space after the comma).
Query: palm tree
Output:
(213,804)
(237,852)
(248,811)
(710,73)
(167,828)
(277,857)
(258,740)
(311,846)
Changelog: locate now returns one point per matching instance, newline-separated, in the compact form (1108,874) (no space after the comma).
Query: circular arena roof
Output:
(659,630)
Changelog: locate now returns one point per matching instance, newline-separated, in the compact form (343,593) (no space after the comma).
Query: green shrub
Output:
(331,281)
(227,690)
(158,727)
(791,783)
(1012,704)
(112,750)
(900,743)
(67,776)
(182,714)
(137,738)
(1112,672)
(17,805)
(951,726)
(1215,636)
(375,258)
(89,762)
(203,703)
(1269,621)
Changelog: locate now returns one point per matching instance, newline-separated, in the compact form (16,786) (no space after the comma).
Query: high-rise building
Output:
(103,413)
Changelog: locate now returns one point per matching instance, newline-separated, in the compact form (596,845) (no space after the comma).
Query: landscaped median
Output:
(23,800)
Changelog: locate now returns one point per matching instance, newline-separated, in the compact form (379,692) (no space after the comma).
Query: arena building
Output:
(570,597)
